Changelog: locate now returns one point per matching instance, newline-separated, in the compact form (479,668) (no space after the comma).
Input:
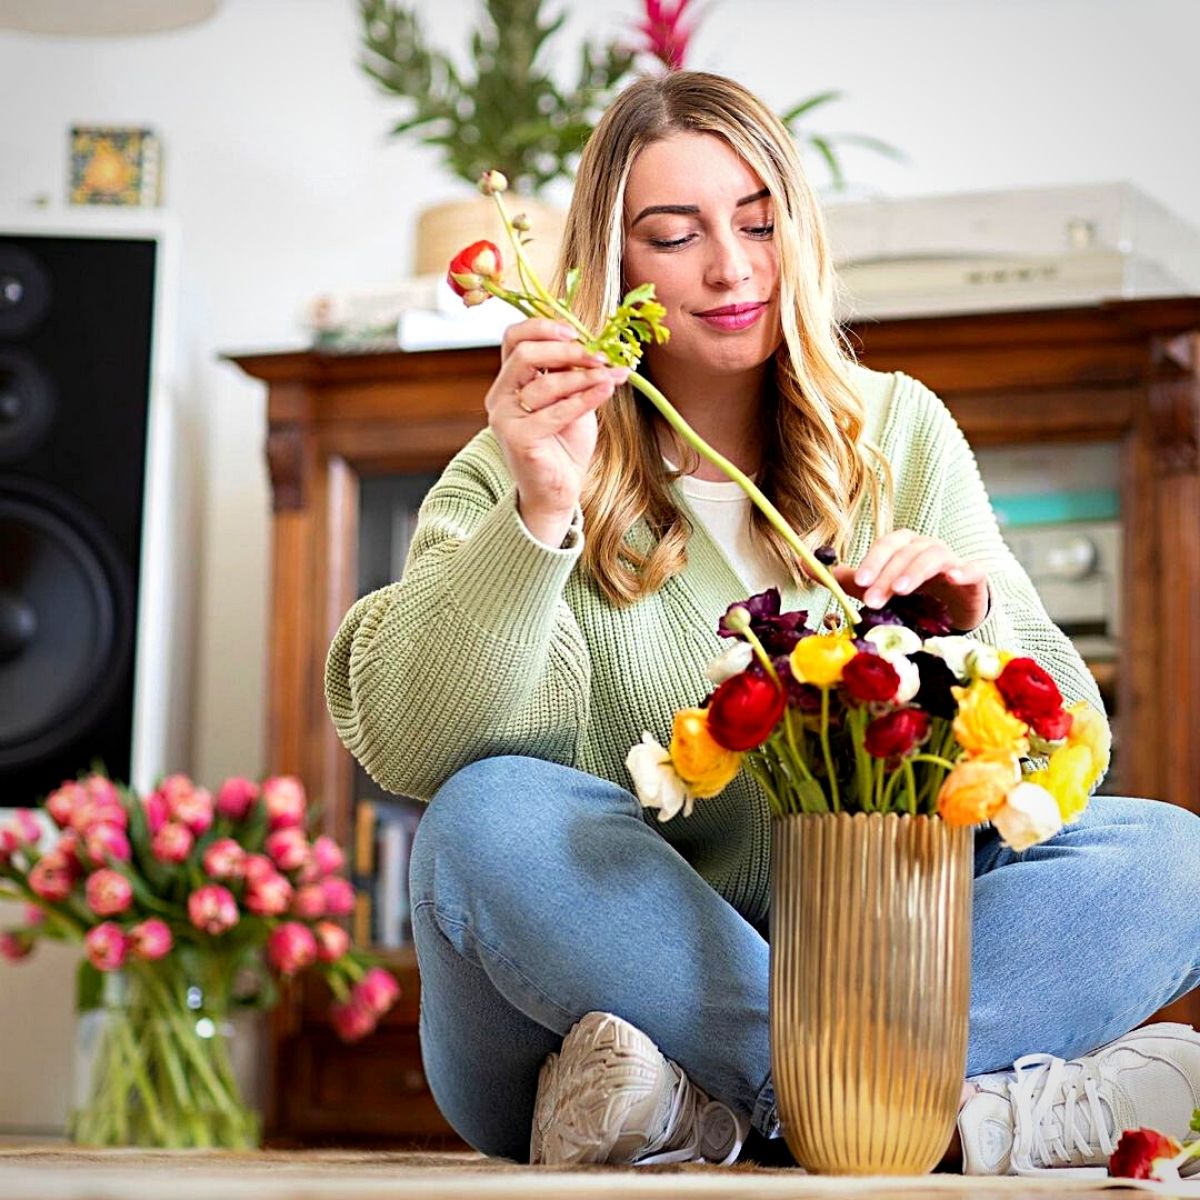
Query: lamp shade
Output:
(103,18)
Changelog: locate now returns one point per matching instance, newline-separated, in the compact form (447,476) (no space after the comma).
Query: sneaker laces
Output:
(1041,1137)
(708,1128)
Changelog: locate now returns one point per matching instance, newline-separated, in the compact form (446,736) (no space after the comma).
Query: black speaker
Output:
(76,331)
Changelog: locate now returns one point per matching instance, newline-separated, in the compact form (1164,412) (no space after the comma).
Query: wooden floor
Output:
(39,1173)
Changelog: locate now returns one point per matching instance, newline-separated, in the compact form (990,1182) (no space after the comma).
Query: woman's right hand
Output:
(542,409)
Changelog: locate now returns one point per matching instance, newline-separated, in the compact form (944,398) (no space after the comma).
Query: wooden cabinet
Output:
(1124,372)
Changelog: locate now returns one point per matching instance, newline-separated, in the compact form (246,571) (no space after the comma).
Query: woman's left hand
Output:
(904,561)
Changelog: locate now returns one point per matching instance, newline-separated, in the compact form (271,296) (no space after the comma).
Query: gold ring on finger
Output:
(523,406)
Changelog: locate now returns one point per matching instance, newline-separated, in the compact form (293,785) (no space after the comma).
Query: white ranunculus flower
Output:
(910,677)
(732,661)
(891,640)
(1029,815)
(984,661)
(954,652)
(656,781)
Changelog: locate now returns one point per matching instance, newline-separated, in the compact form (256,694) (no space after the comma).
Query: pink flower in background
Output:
(68,849)
(33,914)
(108,892)
(285,800)
(106,946)
(150,939)
(9,844)
(102,790)
(256,867)
(107,842)
(288,848)
(339,897)
(98,812)
(28,827)
(172,843)
(327,855)
(309,902)
(377,991)
(62,802)
(291,947)
(236,797)
(212,909)
(194,807)
(52,877)
(332,941)
(352,1021)
(15,946)
(268,895)
(157,812)
(224,859)
(666,35)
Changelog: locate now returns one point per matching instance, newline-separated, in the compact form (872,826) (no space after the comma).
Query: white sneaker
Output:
(1048,1113)
(609,1096)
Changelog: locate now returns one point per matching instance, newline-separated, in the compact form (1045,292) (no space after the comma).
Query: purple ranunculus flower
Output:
(924,614)
(778,631)
(936,681)
(826,556)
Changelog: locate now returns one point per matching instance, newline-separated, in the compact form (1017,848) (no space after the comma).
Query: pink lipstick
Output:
(733,317)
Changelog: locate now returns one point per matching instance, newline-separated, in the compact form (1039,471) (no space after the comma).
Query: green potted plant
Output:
(506,111)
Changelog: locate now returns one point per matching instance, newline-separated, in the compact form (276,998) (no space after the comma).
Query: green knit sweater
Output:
(493,643)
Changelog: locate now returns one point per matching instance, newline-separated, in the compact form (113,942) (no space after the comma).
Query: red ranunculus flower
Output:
(744,710)
(470,267)
(1028,690)
(1054,726)
(870,677)
(896,734)
(1138,1151)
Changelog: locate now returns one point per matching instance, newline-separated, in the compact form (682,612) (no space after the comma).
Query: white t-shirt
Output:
(725,510)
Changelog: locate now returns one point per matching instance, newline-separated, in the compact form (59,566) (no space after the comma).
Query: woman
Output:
(561,596)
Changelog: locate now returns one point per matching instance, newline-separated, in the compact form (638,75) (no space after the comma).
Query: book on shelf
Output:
(383,833)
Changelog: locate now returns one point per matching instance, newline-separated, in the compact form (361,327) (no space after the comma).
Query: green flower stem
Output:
(833,785)
(671,416)
(138,1070)
(790,729)
(862,760)
(761,654)
(911,779)
(766,783)
(759,499)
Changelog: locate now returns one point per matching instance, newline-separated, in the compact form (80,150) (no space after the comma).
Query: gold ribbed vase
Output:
(870,988)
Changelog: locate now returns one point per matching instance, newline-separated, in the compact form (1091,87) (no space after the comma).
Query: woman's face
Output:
(700,227)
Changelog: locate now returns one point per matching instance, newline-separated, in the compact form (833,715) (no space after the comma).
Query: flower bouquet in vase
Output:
(189,907)
(881,740)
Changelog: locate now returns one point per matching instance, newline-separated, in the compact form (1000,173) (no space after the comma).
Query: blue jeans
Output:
(539,893)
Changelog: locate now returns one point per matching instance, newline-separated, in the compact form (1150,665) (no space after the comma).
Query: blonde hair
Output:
(818,466)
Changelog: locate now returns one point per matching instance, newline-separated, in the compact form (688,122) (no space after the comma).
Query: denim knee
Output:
(504,817)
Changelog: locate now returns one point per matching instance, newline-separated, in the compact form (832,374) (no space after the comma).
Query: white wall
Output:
(285,183)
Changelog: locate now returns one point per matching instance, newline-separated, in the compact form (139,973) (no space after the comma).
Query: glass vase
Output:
(155,1066)
(870,988)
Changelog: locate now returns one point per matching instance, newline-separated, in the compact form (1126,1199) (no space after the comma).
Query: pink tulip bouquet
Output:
(188,905)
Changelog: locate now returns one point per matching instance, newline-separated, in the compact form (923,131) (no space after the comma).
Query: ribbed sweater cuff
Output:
(506,581)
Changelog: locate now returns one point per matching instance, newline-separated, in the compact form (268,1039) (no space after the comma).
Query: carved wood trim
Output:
(286,461)
(1174,403)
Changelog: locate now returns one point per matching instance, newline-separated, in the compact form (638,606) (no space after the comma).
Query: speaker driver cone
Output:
(25,291)
(26,405)
(66,622)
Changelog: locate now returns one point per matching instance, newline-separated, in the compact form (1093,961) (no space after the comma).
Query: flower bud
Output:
(352,1021)
(285,800)
(288,848)
(737,619)
(150,939)
(339,897)
(106,946)
(108,892)
(268,895)
(236,798)
(309,902)
(521,223)
(332,941)
(474,298)
(491,182)
(291,947)
(328,855)
(377,991)
(212,909)
(15,946)
(172,843)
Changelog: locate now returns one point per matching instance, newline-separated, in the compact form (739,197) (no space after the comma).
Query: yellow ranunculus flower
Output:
(984,725)
(976,788)
(1090,729)
(819,659)
(702,763)
(1068,778)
